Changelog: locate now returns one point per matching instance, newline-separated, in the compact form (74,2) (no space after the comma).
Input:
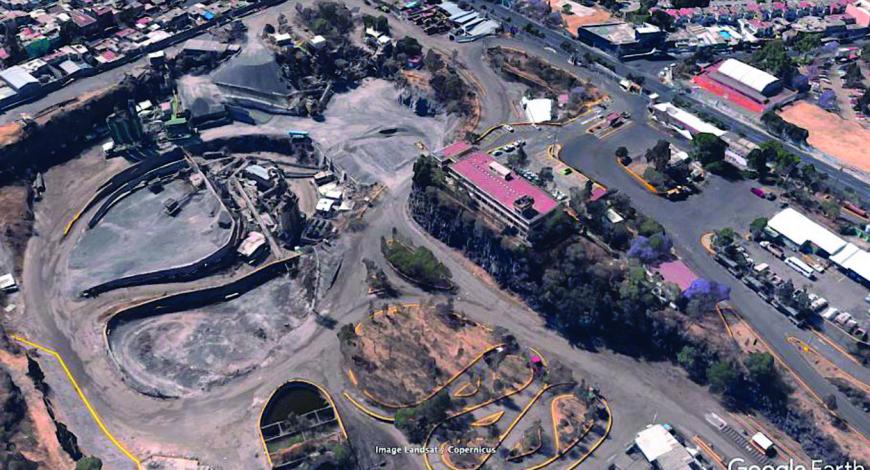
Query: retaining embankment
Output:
(126,188)
(211,263)
(200,297)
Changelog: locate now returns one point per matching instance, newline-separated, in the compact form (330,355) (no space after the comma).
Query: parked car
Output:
(830,313)
(758,192)
(508,127)
(816,302)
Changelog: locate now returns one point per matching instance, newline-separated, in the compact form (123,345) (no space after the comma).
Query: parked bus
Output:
(801,267)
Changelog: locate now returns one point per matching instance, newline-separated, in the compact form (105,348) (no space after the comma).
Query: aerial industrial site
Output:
(436,235)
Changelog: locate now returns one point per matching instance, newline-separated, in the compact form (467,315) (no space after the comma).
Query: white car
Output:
(508,127)
(830,313)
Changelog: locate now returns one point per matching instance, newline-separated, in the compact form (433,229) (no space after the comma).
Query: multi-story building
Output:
(503,195)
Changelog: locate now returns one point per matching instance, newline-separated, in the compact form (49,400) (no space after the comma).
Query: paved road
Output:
(721,204)
(554,39)
(686,221)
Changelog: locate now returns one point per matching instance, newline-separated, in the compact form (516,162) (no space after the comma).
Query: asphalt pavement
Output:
(554,39)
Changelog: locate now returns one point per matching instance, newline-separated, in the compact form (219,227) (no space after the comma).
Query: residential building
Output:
(623,40)
(860,11)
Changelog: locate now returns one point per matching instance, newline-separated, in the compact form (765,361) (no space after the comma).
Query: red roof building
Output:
(509,198)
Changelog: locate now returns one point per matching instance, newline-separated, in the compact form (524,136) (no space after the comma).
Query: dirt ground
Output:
(402,356)
(16,218)
(42,446)
(853,443)
(580,15)
(569,414)
(10,132)
(844,140)
(180,353)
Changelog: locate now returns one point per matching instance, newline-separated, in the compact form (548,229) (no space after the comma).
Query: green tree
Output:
(343,456)
(692,360)
(774,59)
(661,19)
(546,175)
(708,149)
(415,422)
(649,226)
(757,227)
(89,463)
(433,61)
(853,78)
(757,160)
(427,173)
(408,46)
(807,42)
(723,377)
(831,208)
(760,367)
(621,152)
(659,155)
(655,178)
(725,237)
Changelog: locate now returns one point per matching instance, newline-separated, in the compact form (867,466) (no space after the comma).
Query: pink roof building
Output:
(678,273)
(453,151)
(511,199)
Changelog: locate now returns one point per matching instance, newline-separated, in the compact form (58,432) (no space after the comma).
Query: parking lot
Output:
(837,290)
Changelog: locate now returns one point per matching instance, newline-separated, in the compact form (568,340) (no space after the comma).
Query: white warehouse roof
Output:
(746,74)
(538,110)
(688,119)
(799,228)
(655,441)
(854,259)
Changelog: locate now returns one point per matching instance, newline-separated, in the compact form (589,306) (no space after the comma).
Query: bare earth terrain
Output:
(844,140)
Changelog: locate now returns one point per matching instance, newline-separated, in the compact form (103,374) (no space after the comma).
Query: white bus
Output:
(801,267)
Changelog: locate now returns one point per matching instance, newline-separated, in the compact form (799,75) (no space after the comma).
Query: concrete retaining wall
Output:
(126,188)
(211,263)
(201,297)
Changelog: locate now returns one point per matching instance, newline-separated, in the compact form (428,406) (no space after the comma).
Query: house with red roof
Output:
(509,199)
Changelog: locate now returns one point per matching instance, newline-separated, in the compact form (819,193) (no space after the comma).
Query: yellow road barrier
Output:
(322,391)
(722,316)
(717,459)
(82,397)
(836,346)
(365,410)
(488,420)
(599,441)
(639,178)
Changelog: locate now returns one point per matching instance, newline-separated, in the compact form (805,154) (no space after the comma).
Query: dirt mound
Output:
(844,140)
(401,356)
(10,132)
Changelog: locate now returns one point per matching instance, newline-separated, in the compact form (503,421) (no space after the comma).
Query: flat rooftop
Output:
(617,33)
(476,169)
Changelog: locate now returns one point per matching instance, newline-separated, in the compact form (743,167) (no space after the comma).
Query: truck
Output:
(773,249)
(763,444)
